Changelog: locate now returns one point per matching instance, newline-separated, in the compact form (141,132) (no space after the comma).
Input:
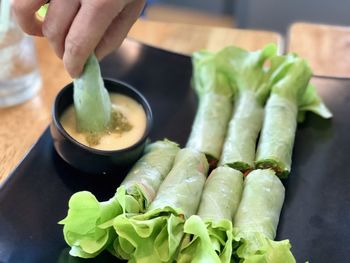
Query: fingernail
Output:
(73,71)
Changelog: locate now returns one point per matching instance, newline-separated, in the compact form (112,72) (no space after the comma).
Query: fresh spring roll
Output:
(253,81)
(215,90)
(142,182)
(87,228)
(276,141)
(256,220)
(91,99)
(209,235)
(5,17)
(155,236)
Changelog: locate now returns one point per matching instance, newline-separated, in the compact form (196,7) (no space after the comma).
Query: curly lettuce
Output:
(88,227)
(155,236)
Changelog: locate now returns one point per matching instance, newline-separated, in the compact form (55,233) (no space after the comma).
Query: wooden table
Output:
(22,125)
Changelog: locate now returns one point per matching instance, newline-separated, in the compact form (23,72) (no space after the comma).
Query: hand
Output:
(76,28)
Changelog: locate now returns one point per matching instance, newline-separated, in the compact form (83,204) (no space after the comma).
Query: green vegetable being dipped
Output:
(5,16)
(91,99)
(209,234)
(102,120)
(253,80)
(289,95)
(215,90)
(155,236)
(256,221)
(87,227)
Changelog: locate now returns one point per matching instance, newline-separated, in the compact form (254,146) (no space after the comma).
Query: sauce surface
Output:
(129,108)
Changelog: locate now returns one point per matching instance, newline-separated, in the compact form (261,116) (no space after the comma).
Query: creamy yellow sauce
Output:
(133,112)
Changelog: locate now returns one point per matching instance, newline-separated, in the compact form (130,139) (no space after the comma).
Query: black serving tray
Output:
(316,214)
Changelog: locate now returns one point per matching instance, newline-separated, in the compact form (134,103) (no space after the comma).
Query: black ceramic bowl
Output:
(91,160)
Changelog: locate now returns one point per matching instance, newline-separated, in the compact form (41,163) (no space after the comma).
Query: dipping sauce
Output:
(130,119)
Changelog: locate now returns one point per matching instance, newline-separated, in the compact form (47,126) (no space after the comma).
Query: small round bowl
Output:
(88,159)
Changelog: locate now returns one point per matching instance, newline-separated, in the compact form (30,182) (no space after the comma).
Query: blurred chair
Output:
(325,47)
(277,15)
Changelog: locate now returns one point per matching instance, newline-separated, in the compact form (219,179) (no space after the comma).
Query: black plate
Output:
(316,214)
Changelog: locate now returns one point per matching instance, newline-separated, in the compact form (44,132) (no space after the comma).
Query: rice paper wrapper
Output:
(183,186)
(156,235)
(256,220)
(209,235)
(221,195)
(210,124)
(142,182)
(261,204)
(240,143)
(276,141)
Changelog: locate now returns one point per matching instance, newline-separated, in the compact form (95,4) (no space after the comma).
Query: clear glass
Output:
(19,74)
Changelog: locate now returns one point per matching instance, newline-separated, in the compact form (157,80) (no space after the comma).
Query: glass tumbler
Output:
(20,79)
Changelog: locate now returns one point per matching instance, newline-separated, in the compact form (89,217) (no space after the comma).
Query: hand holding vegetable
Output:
(77,28)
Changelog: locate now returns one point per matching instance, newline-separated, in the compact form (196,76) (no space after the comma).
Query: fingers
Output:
(24,11)
(88,27)
(119,28)
(58,20)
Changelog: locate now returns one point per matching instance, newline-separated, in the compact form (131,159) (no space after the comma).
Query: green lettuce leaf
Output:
(211,74)
(256,248)
(83,229)
(248,69)
(311,101)
(150,237)
(156,235)
(206,241)
(293,79)
(91,99)
(215,89)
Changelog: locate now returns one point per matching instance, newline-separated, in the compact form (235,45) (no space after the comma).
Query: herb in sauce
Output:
(118,124)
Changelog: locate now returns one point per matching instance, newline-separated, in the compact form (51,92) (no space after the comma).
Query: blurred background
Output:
(275,15)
